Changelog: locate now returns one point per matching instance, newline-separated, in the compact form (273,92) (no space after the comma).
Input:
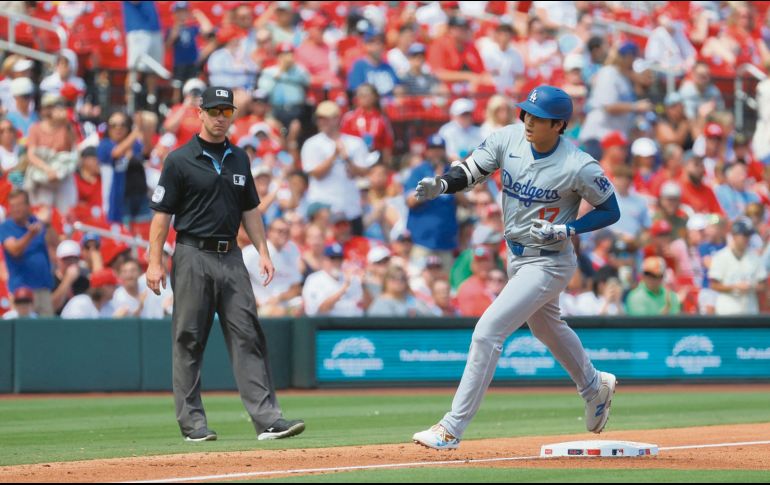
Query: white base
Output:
(598,448)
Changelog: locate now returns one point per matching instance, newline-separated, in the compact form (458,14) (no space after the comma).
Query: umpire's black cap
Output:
(217,96)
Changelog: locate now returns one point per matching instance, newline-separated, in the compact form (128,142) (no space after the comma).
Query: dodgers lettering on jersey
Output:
(550,188)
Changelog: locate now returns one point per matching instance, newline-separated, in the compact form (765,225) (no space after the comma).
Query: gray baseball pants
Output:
(531,295)
(204,283)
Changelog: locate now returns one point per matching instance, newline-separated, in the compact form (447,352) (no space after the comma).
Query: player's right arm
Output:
(481,164)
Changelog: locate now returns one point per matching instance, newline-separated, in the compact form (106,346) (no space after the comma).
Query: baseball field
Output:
(706,434)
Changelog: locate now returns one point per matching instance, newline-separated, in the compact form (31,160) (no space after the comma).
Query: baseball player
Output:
(544,178)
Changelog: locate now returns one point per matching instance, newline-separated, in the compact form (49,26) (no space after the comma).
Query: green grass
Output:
(476,475)
(47,430)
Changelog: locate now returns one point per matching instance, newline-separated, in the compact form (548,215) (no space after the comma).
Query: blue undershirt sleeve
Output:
(605,214)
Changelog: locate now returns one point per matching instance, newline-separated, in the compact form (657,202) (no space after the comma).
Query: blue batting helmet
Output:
(547,102)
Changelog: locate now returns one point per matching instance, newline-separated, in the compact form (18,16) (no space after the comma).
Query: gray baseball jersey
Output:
(550,188)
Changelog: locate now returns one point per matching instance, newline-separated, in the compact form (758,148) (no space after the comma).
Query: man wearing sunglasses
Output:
(207,186)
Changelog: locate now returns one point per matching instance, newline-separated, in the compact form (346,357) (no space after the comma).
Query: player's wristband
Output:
(444,186)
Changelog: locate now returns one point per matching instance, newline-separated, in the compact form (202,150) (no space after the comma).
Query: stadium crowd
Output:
(343,107)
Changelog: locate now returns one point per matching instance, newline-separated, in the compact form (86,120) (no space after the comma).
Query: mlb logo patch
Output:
(223,93)
(239,180)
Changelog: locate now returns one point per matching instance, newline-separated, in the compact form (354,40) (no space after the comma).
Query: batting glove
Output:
(429,188)
(543,231)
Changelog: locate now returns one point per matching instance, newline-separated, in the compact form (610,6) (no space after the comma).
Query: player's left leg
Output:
(597,388)
(530,287)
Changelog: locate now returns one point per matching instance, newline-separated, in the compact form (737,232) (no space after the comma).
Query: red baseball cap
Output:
(285,48)
(714,130)
(23,294)
(316,21)
(480,252)
(660,227)
(70,92)
(614,139)
(102,278)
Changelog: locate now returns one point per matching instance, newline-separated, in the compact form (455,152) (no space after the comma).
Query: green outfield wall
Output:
(135,355)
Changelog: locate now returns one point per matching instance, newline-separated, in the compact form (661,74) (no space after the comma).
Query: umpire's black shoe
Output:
(203,434)
(282,429)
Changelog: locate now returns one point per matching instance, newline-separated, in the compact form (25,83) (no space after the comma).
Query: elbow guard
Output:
(463,175)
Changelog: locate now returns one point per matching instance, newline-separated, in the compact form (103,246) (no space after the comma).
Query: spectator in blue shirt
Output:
(287,84)
(732,195)
(115,151)
(372,68)
(183,39)
(143,38)
(27,244)
(433,224)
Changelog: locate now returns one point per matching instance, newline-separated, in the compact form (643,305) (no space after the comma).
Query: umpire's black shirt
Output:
(207,204)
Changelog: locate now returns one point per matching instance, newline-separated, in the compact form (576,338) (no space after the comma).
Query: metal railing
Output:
(622,27)
(11,45)
(741,96)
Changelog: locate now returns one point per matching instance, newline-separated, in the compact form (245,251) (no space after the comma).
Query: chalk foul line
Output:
(299,471)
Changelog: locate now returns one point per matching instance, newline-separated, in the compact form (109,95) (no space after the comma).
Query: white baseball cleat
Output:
(598,408)
(437,438)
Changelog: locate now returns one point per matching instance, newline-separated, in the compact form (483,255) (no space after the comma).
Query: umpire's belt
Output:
(206,244)
(520,250)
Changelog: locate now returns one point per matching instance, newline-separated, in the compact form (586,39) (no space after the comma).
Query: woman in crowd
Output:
(397,299)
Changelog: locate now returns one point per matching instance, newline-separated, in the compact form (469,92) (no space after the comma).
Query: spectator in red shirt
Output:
(671,168)
(316,56)
(614,151)
(88,180)
(255,112)
(696,193)
(183,120)
(734,45)
(368,122)
(455,60)
(662,234)
(473,298)
(355,248)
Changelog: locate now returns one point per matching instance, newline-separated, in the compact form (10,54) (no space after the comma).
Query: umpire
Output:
(207,185)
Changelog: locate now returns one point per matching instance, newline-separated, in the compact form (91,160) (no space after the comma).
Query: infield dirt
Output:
(280,461)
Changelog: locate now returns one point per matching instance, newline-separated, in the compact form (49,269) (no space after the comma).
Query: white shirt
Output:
(53,83)
(122,299)
(672,51)
(13,315)
(561,13)
(338,189)
(155,306)
(82,307)
(398,61)
(460,142)
(320,285)
(9,160)
(729,270)
(231,71)
(505,66)
(287,270)
(610,87)
(589,303)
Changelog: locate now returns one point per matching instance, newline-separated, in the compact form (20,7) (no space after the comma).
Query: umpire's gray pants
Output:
(205,282)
